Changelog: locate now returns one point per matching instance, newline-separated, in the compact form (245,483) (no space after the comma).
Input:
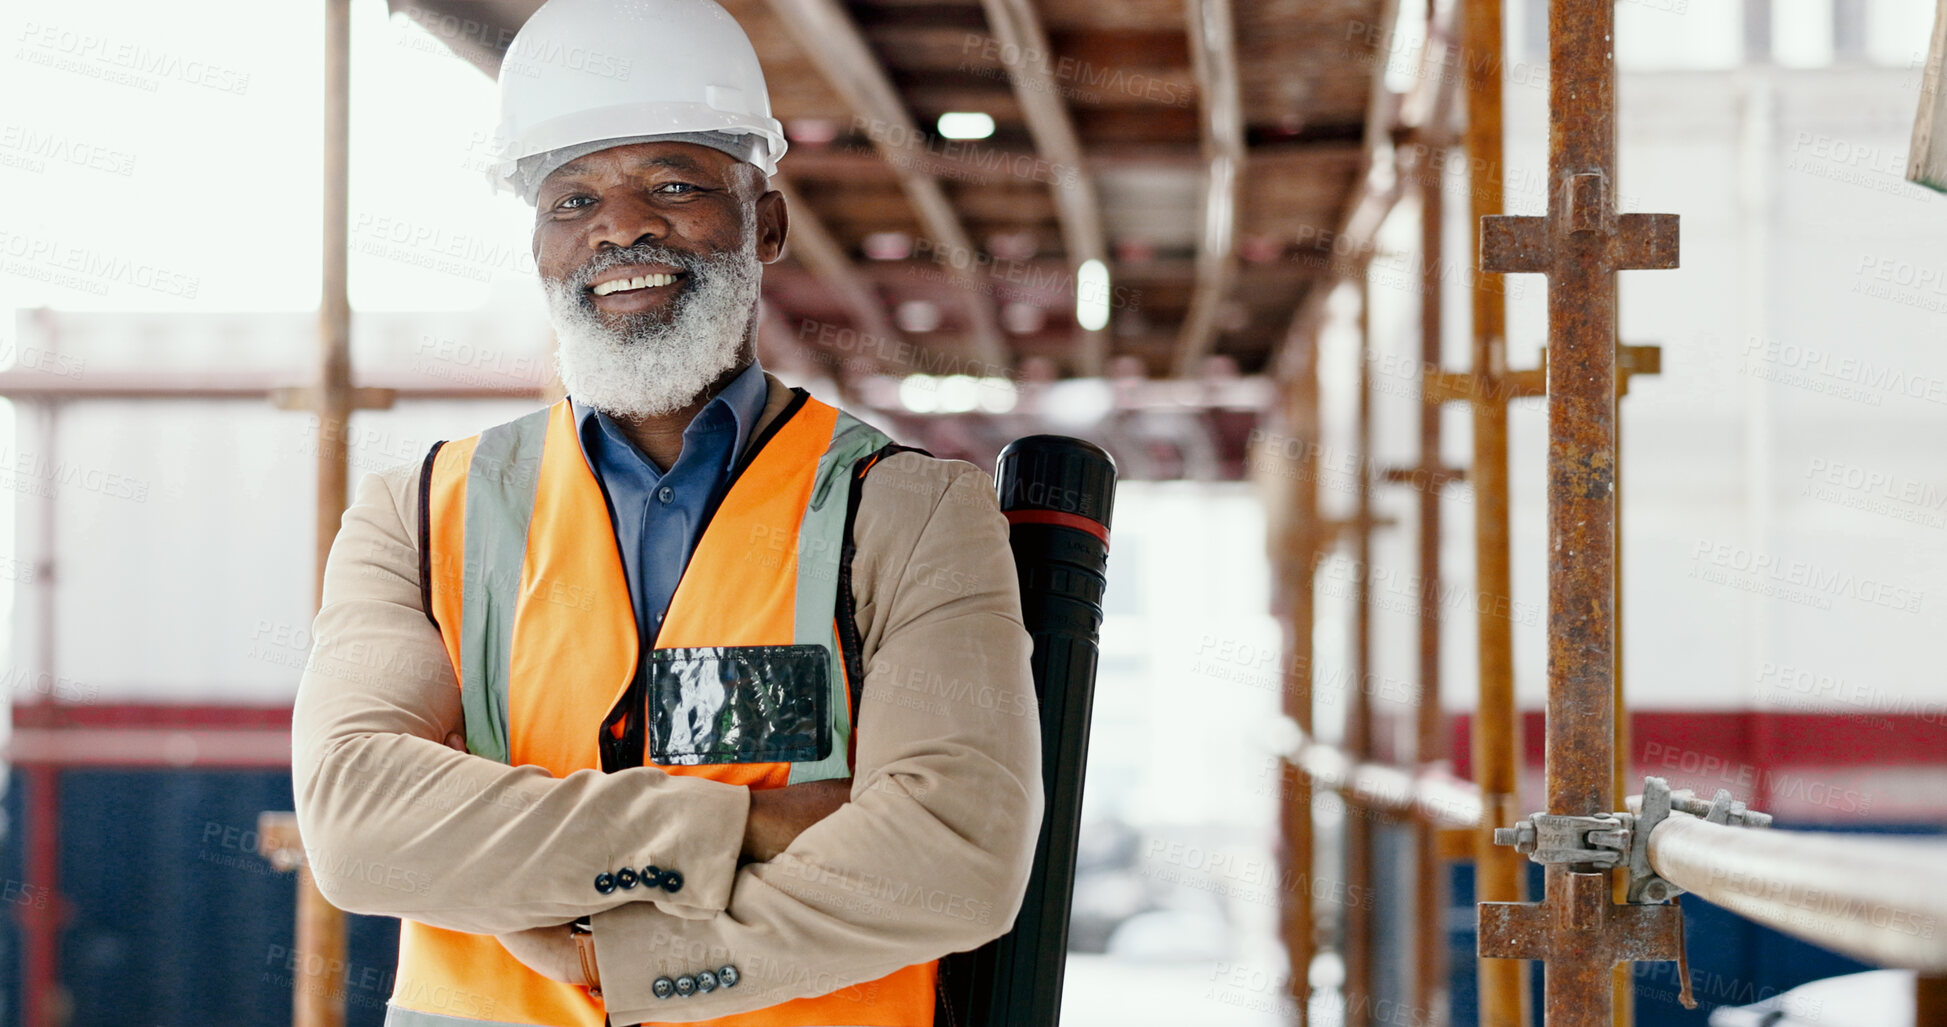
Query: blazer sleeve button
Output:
(652,876)
(663,988)
(728,976)
(706,982)
(626,878)
(672,881)
(604,882)
(685,985)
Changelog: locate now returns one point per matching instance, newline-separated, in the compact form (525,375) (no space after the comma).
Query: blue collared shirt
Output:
(657,514)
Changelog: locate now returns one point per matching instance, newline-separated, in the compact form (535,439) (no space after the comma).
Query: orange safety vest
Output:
(522,575)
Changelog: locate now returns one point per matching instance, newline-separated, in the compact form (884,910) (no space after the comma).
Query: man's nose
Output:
(626,221)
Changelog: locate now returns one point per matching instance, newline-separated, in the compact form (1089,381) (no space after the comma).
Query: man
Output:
(689,696)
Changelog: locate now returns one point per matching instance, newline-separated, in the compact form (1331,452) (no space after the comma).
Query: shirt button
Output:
(665,494)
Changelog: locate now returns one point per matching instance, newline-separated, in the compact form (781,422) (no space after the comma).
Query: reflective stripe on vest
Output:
(527,586)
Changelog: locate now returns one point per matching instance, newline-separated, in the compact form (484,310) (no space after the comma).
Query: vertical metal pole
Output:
(46,1001)
(1581,468)
(1358,927)
(320,998)
(1299,548)
(1429,890)
(1622,977)
(1499,871)
(334,306)
(1580,245)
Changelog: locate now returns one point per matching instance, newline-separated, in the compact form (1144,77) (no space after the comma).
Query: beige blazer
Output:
(930,856)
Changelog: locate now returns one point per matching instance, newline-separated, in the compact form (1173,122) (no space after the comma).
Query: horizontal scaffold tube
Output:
(1431,794)
(1879,899)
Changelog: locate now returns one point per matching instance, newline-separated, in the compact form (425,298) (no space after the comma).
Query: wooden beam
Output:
(1213,56)
(832,40)
(849,162)
(1077,208)
(1291,169)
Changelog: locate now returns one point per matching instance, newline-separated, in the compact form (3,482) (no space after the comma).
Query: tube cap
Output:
(1059,474)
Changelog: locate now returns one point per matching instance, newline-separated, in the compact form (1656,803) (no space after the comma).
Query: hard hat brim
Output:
(630,122)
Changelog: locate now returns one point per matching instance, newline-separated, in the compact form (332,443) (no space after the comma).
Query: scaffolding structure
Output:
(1610,876)
(1596,916)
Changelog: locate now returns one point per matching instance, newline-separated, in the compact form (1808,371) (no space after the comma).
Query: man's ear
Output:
(773,223)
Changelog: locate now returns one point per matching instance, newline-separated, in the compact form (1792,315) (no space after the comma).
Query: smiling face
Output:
(650,254)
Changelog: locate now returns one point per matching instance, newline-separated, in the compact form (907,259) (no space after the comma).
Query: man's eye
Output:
(676,188)
(575,202)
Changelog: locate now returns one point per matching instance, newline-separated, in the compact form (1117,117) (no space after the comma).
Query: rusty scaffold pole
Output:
(1430,481)
(1578,931)
(319,999)
(1299,541)
(1499,872)
(318,992)
(1430,137)
(333,398)
(1428,478)
(1356,912)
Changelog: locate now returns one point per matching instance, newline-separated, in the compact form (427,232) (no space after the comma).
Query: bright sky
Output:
(174,159)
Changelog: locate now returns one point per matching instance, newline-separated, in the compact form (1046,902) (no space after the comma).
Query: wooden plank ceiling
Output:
(883,205)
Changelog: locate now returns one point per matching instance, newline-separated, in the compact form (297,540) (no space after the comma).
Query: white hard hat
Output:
(583,75)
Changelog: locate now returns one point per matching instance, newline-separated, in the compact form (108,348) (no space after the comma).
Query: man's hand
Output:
(548,951)
(778,815)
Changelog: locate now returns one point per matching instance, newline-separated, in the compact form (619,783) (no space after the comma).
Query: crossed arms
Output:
(929,855)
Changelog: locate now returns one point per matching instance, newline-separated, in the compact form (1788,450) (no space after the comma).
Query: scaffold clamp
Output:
(1622,839)
(1601,840)
(1644,884)
(1658,801)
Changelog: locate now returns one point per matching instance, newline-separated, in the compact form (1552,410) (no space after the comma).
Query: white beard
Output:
(648,364)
